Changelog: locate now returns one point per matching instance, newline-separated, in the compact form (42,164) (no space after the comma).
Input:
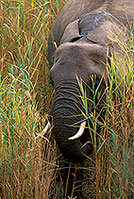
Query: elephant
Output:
(77,50)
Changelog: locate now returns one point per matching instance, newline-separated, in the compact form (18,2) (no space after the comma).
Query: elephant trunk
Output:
(65,118)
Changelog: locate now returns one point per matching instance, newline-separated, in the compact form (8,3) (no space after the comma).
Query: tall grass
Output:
(114,146)
(29,167)
(26,164)
(120,120)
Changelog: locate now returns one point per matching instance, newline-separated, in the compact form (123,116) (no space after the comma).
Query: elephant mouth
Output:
(79,144)
(78,135)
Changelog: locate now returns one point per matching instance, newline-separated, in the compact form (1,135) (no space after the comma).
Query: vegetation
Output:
(29,166)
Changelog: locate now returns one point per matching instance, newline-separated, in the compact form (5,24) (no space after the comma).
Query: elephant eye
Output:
(75,39)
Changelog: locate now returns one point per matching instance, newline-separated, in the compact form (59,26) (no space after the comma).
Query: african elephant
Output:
(81,33)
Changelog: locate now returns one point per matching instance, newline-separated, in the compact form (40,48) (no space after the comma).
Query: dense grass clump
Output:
(116,156)
(30,166)
(25,95)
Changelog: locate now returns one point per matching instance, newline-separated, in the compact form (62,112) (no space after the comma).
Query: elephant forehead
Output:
(78,50)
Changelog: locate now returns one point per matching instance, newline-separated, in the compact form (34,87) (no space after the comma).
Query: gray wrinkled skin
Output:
(81,32)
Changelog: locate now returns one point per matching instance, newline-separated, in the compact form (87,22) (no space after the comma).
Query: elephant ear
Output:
(105,27)
(71,32)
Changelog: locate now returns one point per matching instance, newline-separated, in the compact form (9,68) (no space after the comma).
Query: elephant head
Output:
(80,56)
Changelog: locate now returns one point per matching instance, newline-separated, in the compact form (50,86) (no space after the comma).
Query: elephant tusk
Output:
(44,131)
(46,128)
(80,131)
